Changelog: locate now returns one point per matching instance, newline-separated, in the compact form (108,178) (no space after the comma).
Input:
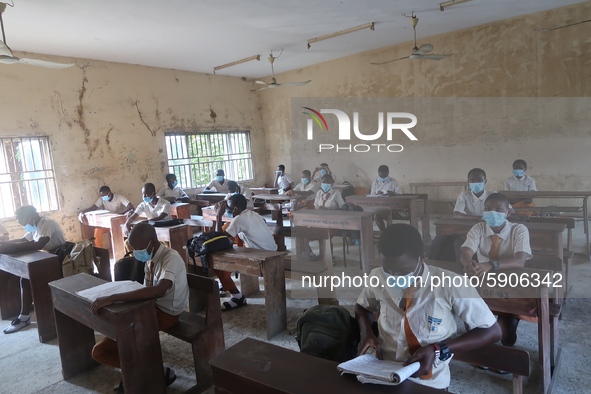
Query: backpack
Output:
(129,268)
(349,190)
(205,243)
(80,259)
(329,332)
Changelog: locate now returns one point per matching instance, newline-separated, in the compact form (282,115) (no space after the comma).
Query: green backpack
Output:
(329,332)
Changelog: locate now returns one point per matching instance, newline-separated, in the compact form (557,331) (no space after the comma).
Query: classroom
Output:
(507,80)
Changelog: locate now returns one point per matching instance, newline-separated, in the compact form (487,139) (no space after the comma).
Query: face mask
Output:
(383,179)
(325,187)
(494,218)
(305,181)
(518,173)
(174,184)
(219,178)
(147,199)
(279,172)
(142,255)
(323,172)
(476,187)
(229,214)
(30,228)
(105,198)
(403,281)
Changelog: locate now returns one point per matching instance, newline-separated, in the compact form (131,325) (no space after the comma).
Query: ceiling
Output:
(197,35)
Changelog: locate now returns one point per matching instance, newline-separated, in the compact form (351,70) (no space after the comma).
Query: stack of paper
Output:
(109,288)
(371,370)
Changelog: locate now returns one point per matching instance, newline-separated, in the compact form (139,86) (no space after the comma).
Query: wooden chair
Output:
(204,333)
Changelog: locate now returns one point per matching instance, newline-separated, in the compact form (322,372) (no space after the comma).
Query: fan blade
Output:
(390,61)
(8,59)
(428,57)
(425,48)
(260,82)
(295,83)
(44,63)
(4,50)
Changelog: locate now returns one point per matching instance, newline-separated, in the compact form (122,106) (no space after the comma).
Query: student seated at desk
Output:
(220,183)
(306,187)
(152,207)
(470,204)
(282,180)
(165,281)
(172,189)
(498,244)
(417,323)
(3,233)
(384,185)
(521,182)
(248,227)
(233,188)
(114,203)
(42,234)
(327,197)
(322,170)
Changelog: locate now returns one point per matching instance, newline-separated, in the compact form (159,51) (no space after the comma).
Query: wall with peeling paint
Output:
(502,59)
(107,122)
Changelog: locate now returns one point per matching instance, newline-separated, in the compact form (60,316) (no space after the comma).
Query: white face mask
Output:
(403,281)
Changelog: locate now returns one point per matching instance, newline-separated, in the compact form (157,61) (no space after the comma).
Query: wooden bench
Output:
(205,332)
(514,361)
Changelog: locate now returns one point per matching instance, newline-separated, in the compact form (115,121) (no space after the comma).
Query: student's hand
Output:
(99,303)
(221,209)
(288,193)
(82,217)
(426,356)
(483,269)
(371,341)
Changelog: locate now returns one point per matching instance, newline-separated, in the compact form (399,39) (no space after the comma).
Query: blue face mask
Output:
(325,187)
(229,214)
(30,228)
(402,281)
(219,178)
(518,173)
(476,187)
(305,181)
(175,184)
(147,199)
(323,172)
(105,198)
(494,218)
(142,255)
(383,179)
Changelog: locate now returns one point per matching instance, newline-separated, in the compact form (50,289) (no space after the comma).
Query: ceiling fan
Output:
(274,83)
(421,52)
(6,56)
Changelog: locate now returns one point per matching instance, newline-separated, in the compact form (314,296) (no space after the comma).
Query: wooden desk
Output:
(340,220)
(273,203)
(584,195)
(211,197)
(263,190)
(111,221)
(181,210)
(39,268)
(252,264)
(252,366)
(177,237)
(132,324)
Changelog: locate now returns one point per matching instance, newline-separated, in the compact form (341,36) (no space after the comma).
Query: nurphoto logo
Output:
(391,119)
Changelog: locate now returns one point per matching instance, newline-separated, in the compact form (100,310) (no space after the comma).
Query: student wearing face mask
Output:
(470,203)
(114,203)
(172,189)
(282,181)
(41,234)
(498,245)
(322,170)
(384,185)
(327,197)
(417,323)
(151,207)
(521,182)
(219,183)
(165,281)
(306,188)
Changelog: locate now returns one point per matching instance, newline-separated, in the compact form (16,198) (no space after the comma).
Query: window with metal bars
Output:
(26,175)
(195,157)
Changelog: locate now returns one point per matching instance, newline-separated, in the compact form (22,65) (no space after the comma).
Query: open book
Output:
(109,288)
(371,370)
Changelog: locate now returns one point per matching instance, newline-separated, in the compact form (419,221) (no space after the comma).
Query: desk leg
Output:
(275,303)
(86,231)
(117,244)
(40,274)
(545,349)
(138,343)
(367,249)
(325,294)
(75,344)
(10,295)
(178,240)
(249,284)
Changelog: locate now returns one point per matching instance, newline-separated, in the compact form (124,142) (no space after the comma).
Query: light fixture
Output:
(246,59)
(370,26)
(449,3)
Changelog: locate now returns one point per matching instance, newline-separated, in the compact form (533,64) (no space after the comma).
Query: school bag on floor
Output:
(205,243)
(329,332)
(80,259)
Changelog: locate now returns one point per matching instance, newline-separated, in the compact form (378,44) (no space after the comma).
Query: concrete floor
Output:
(27,366)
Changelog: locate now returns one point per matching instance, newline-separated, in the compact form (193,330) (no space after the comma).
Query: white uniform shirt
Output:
(469,204)
(310,187)
(514,237)
(525,184)
(47,228)
(176,192)
(252,229)
(431,316)
(162,206)
(218,186)
(168,264)
(391,185)
(283,181)
(331,200)
(117,205)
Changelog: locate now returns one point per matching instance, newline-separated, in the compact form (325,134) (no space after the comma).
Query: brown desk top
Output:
(551,227)
(28,257)
(549,194)
(252,366)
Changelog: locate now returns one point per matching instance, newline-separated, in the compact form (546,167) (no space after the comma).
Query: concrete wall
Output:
(107,121)
(502,59)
